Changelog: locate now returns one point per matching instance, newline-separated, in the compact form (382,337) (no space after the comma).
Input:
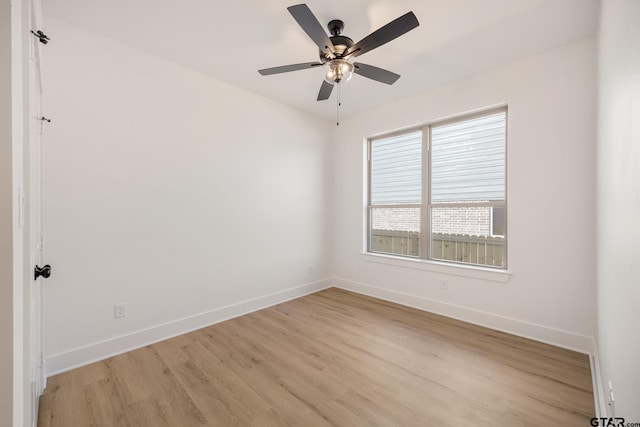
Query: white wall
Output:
(191,200)
(172,192)
(619,203)
(6,223)
(550,295)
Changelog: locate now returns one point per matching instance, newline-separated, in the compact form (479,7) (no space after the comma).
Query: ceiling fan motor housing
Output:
(340,43)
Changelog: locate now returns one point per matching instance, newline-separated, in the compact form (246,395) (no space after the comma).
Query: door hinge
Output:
(41,360)
(44,39)
(42,120)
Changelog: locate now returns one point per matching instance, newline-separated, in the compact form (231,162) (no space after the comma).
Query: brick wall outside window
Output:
(474,221)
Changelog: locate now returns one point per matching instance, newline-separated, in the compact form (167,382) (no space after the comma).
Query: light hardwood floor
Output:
(331,358)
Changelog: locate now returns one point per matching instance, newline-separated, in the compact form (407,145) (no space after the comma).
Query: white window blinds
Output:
(468,160)
(396,169)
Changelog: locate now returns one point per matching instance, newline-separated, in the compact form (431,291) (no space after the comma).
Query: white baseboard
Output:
(599,392)
(61,362)
(545,334)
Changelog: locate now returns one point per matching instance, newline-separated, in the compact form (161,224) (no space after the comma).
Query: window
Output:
(439,192)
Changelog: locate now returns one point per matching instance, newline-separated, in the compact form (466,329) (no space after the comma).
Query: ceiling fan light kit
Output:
(337,50)
(339,70)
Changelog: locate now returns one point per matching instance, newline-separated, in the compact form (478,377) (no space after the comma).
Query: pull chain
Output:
(338,103)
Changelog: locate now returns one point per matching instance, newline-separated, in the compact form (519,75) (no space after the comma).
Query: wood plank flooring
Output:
(331,358)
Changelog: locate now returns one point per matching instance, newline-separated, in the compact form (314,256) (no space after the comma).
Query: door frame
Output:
(32,364)
(37,378)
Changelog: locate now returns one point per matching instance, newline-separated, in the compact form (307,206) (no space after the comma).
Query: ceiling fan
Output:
(337,50)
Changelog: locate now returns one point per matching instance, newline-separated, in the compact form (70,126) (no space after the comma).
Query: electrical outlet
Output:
(444,284)
(119,311)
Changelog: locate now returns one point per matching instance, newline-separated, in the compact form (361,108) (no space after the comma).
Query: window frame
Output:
(426,205)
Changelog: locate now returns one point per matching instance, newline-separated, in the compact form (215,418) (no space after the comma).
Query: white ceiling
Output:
(231,40)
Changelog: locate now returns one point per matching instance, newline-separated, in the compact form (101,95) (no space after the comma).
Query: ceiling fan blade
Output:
(309,23)
(375,73)
(392,30)
(325,91)
(287,68)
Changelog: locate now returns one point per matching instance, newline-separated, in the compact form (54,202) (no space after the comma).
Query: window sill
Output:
(473,272)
